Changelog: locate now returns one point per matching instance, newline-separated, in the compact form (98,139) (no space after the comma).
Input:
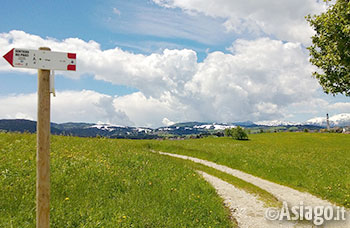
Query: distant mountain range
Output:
(339,120)
(80,129)
(175,130)
(179,129)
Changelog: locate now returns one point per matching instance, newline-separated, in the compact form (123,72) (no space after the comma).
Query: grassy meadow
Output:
(97,182)
(314,162)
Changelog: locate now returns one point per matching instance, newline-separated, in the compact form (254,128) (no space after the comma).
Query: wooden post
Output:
(43,149)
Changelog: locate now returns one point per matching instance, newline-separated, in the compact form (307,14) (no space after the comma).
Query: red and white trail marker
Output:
(40,59)
(46,61)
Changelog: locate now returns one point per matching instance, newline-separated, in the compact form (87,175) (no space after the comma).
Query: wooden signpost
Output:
(44,60)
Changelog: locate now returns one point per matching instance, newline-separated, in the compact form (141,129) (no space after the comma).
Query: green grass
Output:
(105,183)
(313,162)
(120,183)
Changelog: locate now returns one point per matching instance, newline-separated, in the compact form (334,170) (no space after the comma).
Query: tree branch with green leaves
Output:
(330,49)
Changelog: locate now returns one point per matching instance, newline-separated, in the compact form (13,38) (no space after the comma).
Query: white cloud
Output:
(167,122)
(312,105)
(18,106)
(155,73)
(284,20)
(261,79)
(20,115)
(116,11)
(149,112)
(341,107)
(75,106)
(148,19)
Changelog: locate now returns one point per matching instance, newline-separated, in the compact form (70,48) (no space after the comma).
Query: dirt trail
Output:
(245,208)
(282,193)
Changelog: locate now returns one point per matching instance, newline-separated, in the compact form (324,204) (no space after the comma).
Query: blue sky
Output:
(60,20)
(92,20)
(155,62)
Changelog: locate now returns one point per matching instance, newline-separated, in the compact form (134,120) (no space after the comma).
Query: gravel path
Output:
(245,208)
(282,193)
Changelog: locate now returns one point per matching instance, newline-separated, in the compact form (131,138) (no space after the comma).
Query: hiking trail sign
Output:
(41,59)
(45,61)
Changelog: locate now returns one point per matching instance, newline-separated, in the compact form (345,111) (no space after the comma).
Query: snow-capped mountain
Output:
(106,126)
(274,123)
(114,127)
(339,120)
(179,129)
(214,126)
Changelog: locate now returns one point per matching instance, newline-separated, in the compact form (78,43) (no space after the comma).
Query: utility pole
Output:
(328,127)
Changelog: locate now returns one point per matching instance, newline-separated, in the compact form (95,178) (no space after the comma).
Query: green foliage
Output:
(317,163)
(228,132)
(237,133)
(330,49)
(104,183)
(291,129)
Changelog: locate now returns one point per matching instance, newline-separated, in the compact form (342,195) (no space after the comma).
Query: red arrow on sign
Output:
(41,59)
(9,57)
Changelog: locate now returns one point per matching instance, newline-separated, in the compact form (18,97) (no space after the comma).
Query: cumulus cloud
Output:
(18,106)
(341,107)
(150,111)
(75,106)
(313,106)
(167,122)
(284,20)
(259,80)
(254,82)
